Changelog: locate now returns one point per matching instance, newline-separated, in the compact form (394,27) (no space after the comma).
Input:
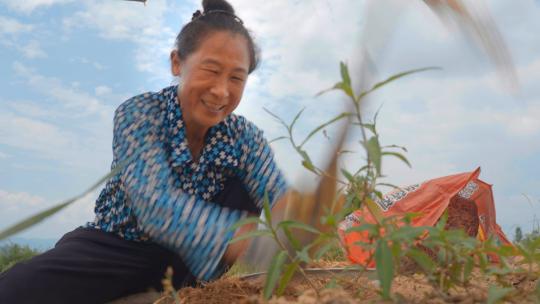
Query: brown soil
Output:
(345,288)
(357,288)
(463,214)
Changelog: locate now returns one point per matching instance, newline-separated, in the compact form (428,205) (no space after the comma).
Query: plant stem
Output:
(283,247)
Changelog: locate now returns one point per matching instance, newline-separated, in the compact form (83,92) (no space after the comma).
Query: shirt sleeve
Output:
(258,170)
(195,229)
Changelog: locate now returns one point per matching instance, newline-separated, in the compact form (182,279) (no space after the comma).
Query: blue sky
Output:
(66,65)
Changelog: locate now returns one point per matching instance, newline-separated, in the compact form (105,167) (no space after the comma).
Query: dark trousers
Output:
(92,266)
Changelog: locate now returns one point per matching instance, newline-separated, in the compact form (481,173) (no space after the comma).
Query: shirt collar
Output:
(219,148)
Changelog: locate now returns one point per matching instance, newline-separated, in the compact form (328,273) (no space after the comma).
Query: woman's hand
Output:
(235,250)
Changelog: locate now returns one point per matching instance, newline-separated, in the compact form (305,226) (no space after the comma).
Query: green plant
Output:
(447,258)
(360,187)
(284,264)
(10,254)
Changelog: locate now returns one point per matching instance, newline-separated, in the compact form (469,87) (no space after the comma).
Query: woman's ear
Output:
(175,63)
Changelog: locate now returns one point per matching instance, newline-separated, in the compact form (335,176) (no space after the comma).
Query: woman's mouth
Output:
(213,107)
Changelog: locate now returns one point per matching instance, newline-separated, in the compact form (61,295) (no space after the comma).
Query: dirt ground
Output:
(345,288)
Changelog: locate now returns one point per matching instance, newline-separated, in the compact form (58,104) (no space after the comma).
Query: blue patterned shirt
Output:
(162,195)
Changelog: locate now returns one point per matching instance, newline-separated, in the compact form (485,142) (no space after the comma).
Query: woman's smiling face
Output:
(212,79)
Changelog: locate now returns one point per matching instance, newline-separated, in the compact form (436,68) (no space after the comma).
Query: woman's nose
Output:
(220,88)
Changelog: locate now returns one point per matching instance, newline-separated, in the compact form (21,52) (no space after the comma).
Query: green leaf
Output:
(309,166)
(251,234)
(375,118)
(303,255)
(247,220)
(396,146)
(372,229)
(277,118)
(370,127)
(298,225)
(422,259)
(338,86)
(296,118)
(39,217)
(398,155)
(306,160)
(266,208)
(274,273)
(442,221)
(348,175)
(345,83)
(288,274)
(345,77)
(277,139)
(361,169)
(388,185)
(323,250)
(374,209)
(395,77)
(406,233)
(324,125)
(33,220)
(497,294)
(468,268)
(332,284)
(385,267)
(294,241)
(374,151)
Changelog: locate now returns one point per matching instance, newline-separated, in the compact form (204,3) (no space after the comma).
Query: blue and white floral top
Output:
(162,195)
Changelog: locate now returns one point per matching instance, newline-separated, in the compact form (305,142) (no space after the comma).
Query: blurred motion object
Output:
(475,22)
(143,1)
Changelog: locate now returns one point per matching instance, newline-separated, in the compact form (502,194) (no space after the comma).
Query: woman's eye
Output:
(240,79)
(210,71)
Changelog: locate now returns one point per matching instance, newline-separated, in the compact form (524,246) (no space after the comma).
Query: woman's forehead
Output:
(223,48)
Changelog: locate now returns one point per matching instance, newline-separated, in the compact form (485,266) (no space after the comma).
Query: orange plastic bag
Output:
(429,200)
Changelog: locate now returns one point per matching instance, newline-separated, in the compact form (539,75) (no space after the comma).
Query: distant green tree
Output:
(531,236)
(518,235)
(11,254)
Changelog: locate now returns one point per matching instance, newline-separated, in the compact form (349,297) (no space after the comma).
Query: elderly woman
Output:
(188,170)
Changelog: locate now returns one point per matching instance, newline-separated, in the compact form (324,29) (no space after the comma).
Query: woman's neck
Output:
(195,143)
(195,133)
(195,136)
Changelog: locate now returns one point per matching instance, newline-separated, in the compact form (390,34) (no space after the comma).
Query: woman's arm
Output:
(195,229)
(258,170)
(260,175)
(235,250)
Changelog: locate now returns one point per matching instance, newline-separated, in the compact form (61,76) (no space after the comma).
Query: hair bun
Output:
(210,5)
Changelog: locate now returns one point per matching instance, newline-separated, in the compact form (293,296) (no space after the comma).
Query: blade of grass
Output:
(39,217)
(274,273)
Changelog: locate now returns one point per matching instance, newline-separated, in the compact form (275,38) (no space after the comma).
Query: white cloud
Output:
(96,65)
(73,128)
(79,102)
(523,122)
(35,135)
(10,32)
(32,110)
(128,21)
(12,26)
(102,90)
(302,50)
(4,155)
(33,50)
(10,201)
(28,6)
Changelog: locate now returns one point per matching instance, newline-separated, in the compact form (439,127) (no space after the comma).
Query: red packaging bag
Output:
(428,200)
